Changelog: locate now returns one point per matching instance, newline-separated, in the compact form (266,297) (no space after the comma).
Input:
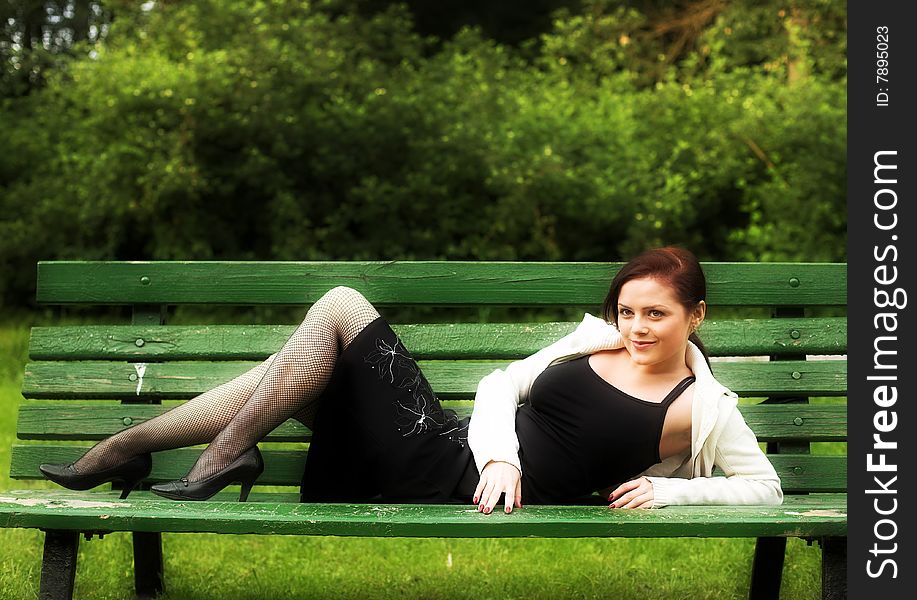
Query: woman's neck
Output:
(675,366)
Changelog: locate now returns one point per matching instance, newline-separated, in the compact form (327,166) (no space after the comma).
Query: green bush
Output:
(275,130)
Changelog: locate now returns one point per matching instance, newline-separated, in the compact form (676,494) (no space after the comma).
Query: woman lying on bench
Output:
(625,404)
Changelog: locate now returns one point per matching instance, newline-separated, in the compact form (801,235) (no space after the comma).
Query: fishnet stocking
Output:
(234,416)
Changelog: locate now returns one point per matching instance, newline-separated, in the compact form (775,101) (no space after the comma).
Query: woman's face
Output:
(655,326)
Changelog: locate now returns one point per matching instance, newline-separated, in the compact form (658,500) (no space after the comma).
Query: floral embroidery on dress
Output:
(423,412)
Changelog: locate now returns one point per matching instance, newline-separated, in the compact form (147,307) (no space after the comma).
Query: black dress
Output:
(381,435)
(579,434)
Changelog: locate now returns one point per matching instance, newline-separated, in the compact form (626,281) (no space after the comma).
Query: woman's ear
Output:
(700,311)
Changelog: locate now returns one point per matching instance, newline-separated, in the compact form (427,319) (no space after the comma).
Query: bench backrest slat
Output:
(737,337)
(451,379)
(450,283)
(798,472)
(90,421)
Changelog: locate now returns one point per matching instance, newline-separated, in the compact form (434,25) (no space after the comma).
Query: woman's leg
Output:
(196,421)
(341,311)
(296,377)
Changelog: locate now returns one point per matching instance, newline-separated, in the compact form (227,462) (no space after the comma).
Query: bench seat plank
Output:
(76,420)
(450,379)
(144,511)
(739,337)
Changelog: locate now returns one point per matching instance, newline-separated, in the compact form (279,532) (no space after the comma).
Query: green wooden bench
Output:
(147,361)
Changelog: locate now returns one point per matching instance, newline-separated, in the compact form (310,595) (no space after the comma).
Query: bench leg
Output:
(148,580)
(767,569)
(833,568)
(58,566)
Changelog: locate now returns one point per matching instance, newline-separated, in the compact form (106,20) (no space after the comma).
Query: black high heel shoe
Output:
(244,469)
(131,472)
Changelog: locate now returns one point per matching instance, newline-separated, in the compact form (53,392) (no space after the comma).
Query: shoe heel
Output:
(128,488)
(246,488)
(138,476)
(258,469)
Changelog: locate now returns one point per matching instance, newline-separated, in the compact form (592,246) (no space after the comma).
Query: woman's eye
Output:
(656,313)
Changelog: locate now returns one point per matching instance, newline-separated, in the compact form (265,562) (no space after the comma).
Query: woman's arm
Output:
(492,429)
(750,477)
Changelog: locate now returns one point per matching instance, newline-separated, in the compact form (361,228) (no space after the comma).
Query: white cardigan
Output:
(719,434)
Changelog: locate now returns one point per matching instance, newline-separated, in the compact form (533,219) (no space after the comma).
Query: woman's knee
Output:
(343,290)
(342,312)
(343,294)
(343,301)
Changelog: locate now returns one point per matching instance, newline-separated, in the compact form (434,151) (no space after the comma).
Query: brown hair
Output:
(677,267)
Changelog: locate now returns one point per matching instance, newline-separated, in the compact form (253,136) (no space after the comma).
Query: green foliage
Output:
(291,131)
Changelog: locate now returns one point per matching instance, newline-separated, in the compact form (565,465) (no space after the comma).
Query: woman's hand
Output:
(637,493)
(498,477)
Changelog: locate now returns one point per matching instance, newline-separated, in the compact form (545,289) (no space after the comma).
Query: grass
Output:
(254,566)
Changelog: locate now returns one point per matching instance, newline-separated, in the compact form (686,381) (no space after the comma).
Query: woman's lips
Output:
(641,345)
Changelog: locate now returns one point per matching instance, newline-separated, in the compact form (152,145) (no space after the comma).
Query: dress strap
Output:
(676,392)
